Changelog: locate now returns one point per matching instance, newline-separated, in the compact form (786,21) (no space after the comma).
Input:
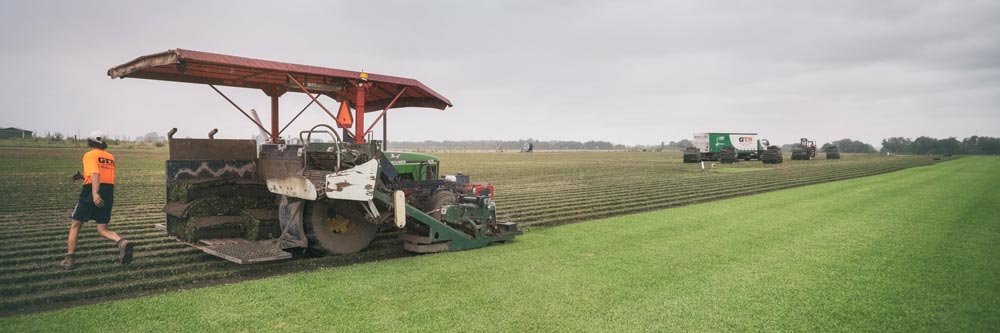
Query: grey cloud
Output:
(625,71)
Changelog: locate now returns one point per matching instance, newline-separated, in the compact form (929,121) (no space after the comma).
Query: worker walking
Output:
(96,199)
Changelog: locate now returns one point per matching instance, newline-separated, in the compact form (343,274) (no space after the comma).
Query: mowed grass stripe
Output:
(618,206)
(905,251)
(603,186)
(156,258)
(132,226)
(57,293)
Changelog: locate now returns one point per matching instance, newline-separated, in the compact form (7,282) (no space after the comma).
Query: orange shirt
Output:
(100,162)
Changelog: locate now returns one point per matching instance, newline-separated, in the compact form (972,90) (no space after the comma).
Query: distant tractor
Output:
(832,153)
(712,146)
(804,150)
(248,203)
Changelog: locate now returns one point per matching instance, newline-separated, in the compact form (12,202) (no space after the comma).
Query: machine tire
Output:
(439,199)
(322,237)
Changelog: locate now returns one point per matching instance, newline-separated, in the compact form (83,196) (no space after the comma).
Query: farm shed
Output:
(13,132)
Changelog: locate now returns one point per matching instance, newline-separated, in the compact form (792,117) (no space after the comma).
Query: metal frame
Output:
(243,112)
(313,98)
(448,238)
(384,111)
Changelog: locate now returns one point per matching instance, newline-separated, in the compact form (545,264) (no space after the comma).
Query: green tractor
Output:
(414,166)
(251,203)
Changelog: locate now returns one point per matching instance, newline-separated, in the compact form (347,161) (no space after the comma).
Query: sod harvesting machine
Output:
(250,203)
(804,150)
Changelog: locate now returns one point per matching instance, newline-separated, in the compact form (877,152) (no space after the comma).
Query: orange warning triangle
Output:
(344,119)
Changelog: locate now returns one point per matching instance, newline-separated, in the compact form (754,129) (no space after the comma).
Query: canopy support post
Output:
(274,93)
(274,120)
(359,113)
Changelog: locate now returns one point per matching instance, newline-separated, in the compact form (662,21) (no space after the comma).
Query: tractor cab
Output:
(414,166)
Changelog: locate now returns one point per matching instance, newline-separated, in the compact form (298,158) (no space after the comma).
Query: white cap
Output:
(96,136)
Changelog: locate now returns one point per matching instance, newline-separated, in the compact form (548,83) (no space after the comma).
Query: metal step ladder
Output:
(242,251)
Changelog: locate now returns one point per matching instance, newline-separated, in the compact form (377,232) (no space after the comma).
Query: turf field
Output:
(910,250)
(533,190)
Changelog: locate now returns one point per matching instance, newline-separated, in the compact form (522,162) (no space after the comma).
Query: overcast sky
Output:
(632,72)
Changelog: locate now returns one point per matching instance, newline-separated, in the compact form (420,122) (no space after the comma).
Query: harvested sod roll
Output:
(188,190)
(260,224)
(208,217)
(209,227)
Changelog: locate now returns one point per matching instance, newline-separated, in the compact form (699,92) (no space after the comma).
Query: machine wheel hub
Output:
(339,224)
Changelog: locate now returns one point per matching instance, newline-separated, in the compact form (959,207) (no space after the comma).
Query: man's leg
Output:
(74,231)
(102,229)
(124,246)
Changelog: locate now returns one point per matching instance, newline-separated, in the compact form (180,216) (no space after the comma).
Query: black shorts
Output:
(86,210)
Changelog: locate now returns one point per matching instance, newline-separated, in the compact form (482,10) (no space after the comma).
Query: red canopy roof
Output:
(225,70)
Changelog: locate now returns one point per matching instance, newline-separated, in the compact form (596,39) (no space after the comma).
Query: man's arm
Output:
(95,183)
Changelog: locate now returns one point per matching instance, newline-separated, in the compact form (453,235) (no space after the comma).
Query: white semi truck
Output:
(748,145)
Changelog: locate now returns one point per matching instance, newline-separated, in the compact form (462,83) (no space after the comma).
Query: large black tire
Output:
(432,206)
(439,199)
(337,227)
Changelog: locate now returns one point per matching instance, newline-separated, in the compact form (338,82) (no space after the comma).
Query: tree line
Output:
(850,146)
(507,145)
(973,145)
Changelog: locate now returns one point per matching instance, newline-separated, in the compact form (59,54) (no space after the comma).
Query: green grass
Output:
(533,190)
(915,249)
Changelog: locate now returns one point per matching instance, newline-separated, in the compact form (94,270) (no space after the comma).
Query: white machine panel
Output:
(357,183)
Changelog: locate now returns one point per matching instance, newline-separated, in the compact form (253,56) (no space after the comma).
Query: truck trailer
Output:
(711,145)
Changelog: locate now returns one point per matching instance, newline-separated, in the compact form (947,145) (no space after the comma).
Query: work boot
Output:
(67,263)
(124,251)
